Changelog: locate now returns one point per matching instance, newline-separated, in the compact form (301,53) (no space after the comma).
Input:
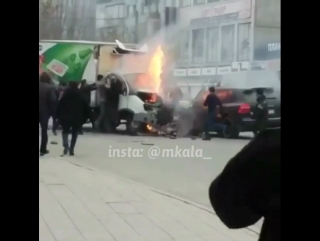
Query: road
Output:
(188,178)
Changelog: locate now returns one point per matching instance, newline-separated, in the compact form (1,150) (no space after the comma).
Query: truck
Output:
(68,60)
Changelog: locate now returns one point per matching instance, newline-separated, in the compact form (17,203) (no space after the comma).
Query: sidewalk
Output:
(80,204)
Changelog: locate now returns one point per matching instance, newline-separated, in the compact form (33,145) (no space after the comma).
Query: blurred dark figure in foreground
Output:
(72,112)
(249,187)
(214,111)
(47,104)
(86,91)
(261,112)
(59,92)
(101,93)
(112,102)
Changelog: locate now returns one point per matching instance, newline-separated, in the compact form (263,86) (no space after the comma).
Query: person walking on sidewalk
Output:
(72,111)
(47,104)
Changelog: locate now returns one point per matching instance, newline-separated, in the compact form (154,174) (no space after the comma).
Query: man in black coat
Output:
(112,101)
(86,91)
(248,188)
(47,104)
(72,112)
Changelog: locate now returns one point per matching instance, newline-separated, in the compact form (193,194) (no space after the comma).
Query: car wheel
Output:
(231,131)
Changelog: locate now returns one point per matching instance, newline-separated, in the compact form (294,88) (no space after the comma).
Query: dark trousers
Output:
(210,124)
(43,121)
(74,135)
(55,124)
(260,125)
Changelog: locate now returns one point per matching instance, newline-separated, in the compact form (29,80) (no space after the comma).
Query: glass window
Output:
(227,43)
(198,40)
(185,3)
(244,42)
(142,8)
(196,2)
(108,13)
(212,45)
(213,1)
(121,11)
(128,11)
(183,48)
(115,11)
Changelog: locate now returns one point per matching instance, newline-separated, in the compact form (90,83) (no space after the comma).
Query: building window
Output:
(212,45)
(115,11)
(213,1)
(142,8)
(184,47)
(198,41)
(227,43)
(198,2)
(121,11)
(128,11)
(185,3)
(243,42)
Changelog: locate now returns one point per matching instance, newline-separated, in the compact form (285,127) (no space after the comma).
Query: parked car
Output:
(237,92)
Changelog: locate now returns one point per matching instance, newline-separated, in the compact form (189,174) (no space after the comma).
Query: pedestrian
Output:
(112,101)
(72,111)
(47,104)
(214,105)
(101,92)
(249,187)
(86,91)
(260,112)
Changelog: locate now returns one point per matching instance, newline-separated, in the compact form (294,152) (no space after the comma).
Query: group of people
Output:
(109,89)
(214,105)
(69,107)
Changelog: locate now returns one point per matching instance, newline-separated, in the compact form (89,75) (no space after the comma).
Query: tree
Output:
(50,19)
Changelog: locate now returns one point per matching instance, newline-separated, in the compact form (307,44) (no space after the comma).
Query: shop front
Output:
(268,56)
(191,80)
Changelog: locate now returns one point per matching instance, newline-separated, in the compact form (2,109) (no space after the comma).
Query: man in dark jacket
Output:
(72,111)
(112,102)
(248,188)
(47,104)
(59,92)
(86,91)
(261,112)
(214,110)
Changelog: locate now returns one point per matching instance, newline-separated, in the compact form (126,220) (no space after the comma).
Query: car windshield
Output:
(139,81)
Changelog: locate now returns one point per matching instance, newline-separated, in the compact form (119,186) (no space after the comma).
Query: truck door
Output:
(123,100)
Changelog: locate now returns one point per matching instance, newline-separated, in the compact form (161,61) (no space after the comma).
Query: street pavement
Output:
(186,178)
(78,203)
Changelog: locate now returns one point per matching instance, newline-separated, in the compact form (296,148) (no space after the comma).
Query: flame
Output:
(155,68)
(149,127)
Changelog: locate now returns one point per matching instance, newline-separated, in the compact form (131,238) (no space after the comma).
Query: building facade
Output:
(130,21)
(219,37)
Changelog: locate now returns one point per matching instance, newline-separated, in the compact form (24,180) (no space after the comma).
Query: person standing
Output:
(72,111)
(86,91)
(47,104)
(214,110)
(101,92)
(260,112)
(112,102)
(59,92)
